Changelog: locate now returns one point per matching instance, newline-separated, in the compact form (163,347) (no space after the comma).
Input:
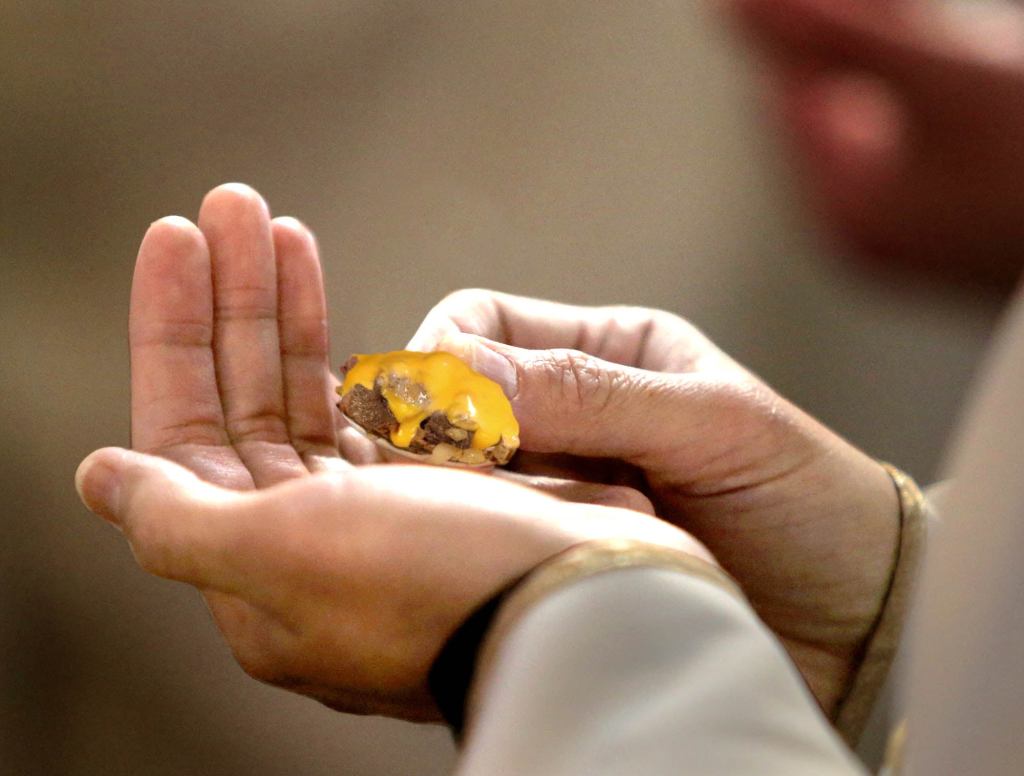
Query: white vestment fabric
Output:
(966,657)
(647,672)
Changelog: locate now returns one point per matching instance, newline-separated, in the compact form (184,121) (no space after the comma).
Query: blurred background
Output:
(594,151)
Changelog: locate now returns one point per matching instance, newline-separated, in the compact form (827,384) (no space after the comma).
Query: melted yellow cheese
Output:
(470,400)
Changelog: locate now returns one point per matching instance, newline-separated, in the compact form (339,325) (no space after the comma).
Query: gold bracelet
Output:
(883,641)
(892,763)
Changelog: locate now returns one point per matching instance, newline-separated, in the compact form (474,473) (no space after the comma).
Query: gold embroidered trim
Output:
(577,563)
(880,650)
(892,765)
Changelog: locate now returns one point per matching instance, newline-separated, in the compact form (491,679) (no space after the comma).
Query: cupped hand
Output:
(231,382)
(352,580)
(903,118)
(805,522)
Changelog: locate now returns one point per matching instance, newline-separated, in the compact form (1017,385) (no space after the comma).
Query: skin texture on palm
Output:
(806,523)
(903,123)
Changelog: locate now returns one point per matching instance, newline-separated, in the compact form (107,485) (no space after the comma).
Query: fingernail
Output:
(484,359)
(99,486)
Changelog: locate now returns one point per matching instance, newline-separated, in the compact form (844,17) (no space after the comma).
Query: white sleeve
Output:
(966,683)
(646,671)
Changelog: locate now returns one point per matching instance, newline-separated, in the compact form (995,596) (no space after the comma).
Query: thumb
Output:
(568,401)
(112,481)
(169,516)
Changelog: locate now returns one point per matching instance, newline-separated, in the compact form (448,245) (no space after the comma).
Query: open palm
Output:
(229,350)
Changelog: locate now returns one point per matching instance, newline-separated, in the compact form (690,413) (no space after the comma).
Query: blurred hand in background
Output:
(904,119)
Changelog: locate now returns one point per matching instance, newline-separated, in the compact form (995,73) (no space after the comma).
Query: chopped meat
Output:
(437,438)
(370,410)
(500,453)
(437,429)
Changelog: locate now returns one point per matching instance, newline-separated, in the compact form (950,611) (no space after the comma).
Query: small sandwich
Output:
(431,405)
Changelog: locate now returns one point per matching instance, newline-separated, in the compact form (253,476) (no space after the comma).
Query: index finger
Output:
(633,336)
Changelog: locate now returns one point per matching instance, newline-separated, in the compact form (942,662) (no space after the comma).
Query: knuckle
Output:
(259,643)
(466,298)
(633,316)
(681,330)
(456,311)
(649,319)
(665,319)
(467,305)
(583,380)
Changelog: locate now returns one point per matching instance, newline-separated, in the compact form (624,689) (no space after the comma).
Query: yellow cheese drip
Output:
(470,400)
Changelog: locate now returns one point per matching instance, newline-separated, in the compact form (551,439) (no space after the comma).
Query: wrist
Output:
(842,564)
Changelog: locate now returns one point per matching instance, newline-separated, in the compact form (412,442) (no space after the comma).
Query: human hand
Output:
(806,523)
(903,119)
(231,380)
(351,581)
